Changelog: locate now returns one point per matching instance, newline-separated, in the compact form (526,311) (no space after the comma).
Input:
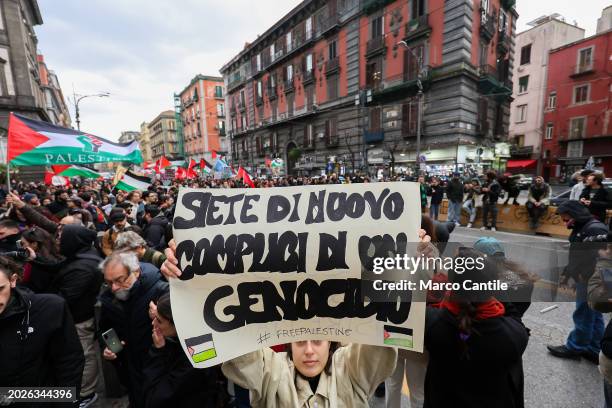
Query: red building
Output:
(577,110)
(335,86)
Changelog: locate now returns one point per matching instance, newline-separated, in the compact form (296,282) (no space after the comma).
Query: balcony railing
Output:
(582,69)
(235,82)
(308,77)
(258,100)
(271,92)
(289,85)
(487,29)
(329,23)
(332,66)
(375,46)
(503,43)
(417,27)
(370,6)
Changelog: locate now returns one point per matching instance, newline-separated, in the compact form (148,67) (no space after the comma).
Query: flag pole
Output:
(8,177)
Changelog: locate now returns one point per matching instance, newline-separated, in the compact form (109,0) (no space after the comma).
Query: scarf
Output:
(484,310)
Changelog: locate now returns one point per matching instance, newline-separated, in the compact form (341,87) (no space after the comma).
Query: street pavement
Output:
(550,382)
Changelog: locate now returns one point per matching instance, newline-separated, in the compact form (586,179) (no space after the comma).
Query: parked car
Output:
(564,196)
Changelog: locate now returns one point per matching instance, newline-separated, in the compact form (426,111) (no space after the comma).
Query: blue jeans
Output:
(470,207)
(588,324)
(454,211)
(434,209)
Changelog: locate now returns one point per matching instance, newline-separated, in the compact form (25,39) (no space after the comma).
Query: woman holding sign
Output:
(314,373)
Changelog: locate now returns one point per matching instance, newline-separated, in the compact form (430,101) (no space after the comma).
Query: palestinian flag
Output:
(83,172)
(133,182)
(32,142)
(201,348)
(397,336)
(205,166)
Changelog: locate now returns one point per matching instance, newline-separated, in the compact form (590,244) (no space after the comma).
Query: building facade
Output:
(162,131)
(530,69)
(20,84)
(604,23)
(55,104)
(577,109)
(202,112)
(342,85)
(129,135)
(144,140)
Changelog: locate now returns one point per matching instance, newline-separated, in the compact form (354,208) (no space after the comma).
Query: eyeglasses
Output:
(120,281)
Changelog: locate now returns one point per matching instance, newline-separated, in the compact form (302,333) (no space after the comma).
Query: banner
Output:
(32,142)
(270,266)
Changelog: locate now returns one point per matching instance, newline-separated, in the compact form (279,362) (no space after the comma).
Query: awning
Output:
(524,164)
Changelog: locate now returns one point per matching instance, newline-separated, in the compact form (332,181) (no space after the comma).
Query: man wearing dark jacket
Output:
(595,196)
(9,235)
(79,282)
(584,340)
(490,195)
(155,228)
(59,207)
(125,304)
(454,193)
(38,340)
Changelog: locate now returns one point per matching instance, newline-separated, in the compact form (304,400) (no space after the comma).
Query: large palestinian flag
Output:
(32,142)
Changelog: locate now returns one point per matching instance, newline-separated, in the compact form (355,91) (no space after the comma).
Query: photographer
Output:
(43,260)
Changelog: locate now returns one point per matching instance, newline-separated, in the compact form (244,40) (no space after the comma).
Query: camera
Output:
(20,254)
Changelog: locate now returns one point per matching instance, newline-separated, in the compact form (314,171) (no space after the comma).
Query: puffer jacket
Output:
(272,379)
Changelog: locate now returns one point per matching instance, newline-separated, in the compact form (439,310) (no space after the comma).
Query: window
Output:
(220,109)
(418,8)
(523,84)
(309,135)
(309,28)
(484,53)
(484,11)
(288,41)
(289,73)
(332,50)
(503,21)
(221,127)
(552,100)
(258,62)
(521,113)
(581,94)
(577,128)
(309,63)
(332,87)
(218,91)
(585,59)
(375,119)
(574,149)
(549,131)
(259,90)
(244,123)
(526,54)
(378,26)
(242,99)
(271,52)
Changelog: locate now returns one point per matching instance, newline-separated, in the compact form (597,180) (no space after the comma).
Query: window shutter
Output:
(414,119)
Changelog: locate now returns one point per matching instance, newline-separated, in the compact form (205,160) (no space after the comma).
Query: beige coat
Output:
(356,371)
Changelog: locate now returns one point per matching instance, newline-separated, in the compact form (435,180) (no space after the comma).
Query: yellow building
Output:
(144,140)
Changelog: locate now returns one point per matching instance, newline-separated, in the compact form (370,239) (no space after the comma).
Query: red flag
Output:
(268,161)
(161,164)
(214,154)
(192,164)
(246,178)
(180,173)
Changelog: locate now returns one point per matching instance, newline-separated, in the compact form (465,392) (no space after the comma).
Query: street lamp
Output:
(79,99)
(420,97)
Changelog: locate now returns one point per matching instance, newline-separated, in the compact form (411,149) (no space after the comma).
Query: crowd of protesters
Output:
(78,260)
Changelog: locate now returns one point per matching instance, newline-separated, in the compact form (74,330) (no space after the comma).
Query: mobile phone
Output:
(606,274)
(112,341)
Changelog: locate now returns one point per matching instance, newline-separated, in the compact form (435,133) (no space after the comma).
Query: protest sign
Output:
(269,266)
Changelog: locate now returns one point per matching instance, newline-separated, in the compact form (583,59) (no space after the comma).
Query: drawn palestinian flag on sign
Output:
(397,336)
(201,348)
(32,142)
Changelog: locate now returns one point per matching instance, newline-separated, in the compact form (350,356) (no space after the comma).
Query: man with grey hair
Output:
(130,241)
(131,287)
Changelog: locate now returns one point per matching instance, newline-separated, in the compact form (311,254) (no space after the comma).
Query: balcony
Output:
(401,85)
(521,150)
(375,46)
(332,66)
(222,132)
(308,77)
(487,28)
(370,6)
(582,69)
(289,86)
(503,43)
(373,136)
(271,93)
(417,27)
(490,83)
(235,83)
(329,25)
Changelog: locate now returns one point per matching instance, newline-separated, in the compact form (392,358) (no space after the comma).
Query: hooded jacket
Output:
(582,256)
(487,374)
(50,355)
(599,201)
(454,190)
(272,379)
(79,279)
(155,231)
(131,321)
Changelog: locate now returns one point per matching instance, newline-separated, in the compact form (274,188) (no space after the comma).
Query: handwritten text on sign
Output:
(269,266)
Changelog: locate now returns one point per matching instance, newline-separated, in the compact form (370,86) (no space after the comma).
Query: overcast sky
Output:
(142,51)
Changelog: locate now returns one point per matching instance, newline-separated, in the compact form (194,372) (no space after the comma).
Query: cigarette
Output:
(549,308)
